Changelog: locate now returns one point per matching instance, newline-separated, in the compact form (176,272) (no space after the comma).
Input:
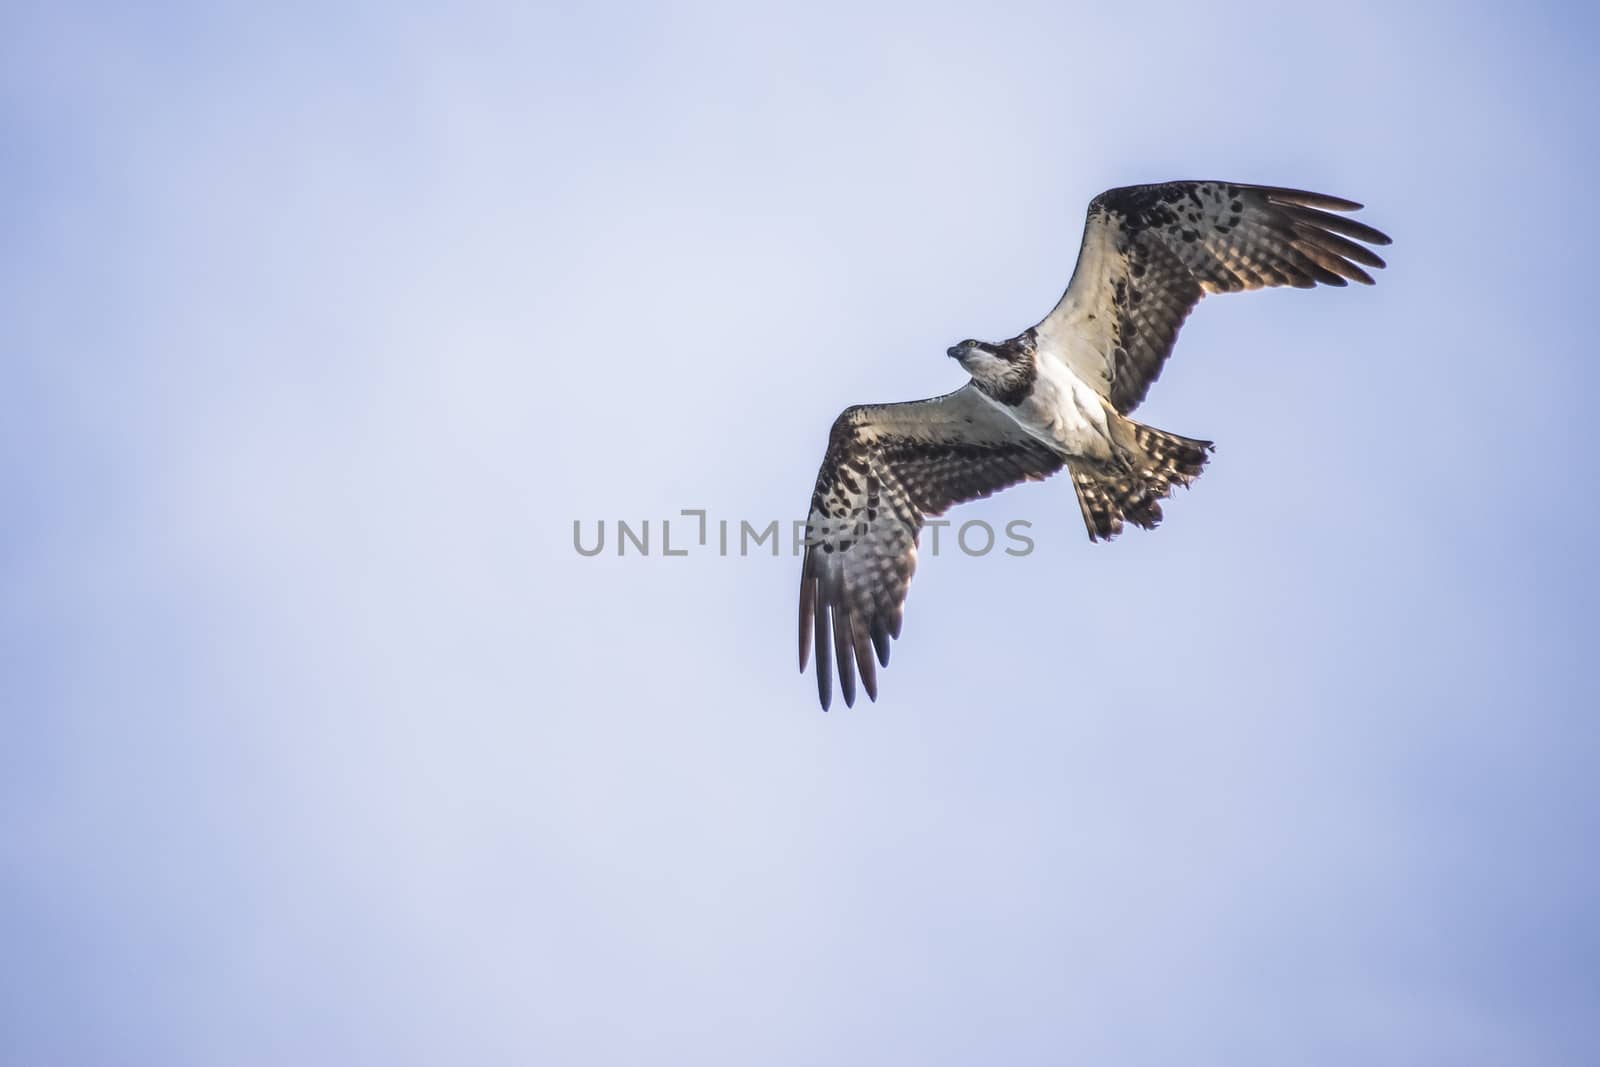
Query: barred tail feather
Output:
(1152,463)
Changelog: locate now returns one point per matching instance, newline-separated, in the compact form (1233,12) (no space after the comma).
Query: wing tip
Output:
(1307,198)
(808,607)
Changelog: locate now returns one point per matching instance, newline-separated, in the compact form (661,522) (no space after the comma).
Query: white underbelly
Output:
(1064,412)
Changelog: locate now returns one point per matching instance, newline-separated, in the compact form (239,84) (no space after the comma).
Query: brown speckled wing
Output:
(1150,252)
(887,468)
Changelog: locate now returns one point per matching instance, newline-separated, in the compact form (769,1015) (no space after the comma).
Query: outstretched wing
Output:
(887,468)
(1150,252)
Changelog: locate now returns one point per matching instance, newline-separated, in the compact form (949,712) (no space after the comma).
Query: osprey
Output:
(1056,395)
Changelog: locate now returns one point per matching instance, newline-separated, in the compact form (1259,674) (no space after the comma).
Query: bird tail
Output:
(1149,463)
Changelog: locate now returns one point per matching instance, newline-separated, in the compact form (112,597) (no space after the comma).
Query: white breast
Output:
(1064,412)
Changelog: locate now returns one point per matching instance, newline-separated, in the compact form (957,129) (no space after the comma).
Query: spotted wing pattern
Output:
(1150,252)
(887,468)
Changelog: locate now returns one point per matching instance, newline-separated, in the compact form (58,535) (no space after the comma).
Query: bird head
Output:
(991,364)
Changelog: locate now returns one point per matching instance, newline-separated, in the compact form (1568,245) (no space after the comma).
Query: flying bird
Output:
(1056,395)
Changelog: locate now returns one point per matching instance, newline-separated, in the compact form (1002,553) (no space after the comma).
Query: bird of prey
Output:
(1056,395)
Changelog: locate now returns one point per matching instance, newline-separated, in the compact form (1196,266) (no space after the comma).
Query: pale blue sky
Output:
(319,328)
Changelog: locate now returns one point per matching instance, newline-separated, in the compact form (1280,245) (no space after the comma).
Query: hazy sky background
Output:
(323,746)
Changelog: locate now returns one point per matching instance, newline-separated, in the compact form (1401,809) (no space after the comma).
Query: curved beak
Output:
(954,352)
